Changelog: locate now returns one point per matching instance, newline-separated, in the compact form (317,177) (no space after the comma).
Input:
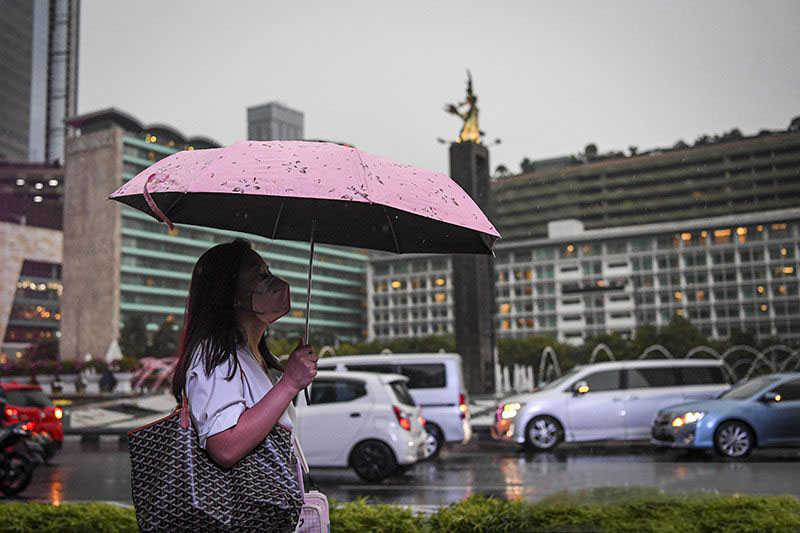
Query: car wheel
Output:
(434,440)
(734,440)
(543,433)
(373,461)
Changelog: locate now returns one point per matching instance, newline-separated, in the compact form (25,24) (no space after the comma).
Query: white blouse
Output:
(215,403)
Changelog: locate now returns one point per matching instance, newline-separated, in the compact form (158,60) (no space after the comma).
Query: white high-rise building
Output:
(723,274)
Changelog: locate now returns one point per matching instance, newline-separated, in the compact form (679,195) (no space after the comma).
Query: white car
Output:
(618,400)
(436,383)
(361,420)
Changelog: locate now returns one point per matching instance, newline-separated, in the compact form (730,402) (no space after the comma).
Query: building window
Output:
(545,272)
(617,247)
(568,250)
(419,266)
(665,242)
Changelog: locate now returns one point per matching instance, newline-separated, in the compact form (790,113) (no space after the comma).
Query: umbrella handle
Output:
(152,204)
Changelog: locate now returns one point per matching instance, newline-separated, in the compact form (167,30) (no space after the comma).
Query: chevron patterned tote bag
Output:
(177,487)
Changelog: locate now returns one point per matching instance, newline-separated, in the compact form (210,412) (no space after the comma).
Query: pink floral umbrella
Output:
(313,192)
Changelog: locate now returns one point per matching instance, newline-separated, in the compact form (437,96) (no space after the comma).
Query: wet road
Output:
(101,472)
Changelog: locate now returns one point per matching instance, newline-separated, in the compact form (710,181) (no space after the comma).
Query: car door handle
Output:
(616,399)
(629,398)
(355,415)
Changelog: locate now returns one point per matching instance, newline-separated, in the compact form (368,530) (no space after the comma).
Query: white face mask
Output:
(270,300)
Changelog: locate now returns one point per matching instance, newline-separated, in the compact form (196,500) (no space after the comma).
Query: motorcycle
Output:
(41,447)
(16,460)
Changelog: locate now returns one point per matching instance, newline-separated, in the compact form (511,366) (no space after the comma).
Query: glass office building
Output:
(150,267)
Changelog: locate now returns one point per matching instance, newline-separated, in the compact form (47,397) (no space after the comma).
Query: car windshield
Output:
(748,388)
(562,379)
(28,398)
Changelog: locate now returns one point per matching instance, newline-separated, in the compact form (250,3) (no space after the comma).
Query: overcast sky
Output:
(551,77)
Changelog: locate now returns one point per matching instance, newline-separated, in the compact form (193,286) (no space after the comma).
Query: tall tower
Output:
(473,276)
(38,77)
(274,122)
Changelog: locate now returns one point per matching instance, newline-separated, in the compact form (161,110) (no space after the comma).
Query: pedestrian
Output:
(236,389)
(57,386)
(107,381)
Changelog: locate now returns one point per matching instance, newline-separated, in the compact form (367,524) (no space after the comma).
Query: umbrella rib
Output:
(364,175)
(280,210)
(391,227)
(369,199)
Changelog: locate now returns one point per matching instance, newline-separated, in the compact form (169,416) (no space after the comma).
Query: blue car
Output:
(763,411)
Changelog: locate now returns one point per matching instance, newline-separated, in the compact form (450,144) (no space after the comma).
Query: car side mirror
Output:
(580,388)
(770,397)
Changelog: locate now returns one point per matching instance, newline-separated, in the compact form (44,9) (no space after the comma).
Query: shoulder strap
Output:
(184,411)
(302,467)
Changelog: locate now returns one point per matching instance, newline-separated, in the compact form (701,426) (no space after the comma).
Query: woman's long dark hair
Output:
(210,319)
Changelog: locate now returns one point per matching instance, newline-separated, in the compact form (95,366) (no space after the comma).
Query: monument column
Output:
(473,276)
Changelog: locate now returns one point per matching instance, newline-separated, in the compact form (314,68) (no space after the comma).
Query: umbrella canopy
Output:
(278,188)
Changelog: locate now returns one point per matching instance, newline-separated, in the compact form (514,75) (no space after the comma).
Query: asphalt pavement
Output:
(101,472)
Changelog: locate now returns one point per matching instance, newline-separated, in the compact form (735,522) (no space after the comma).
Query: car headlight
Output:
(687,418)
(510,410)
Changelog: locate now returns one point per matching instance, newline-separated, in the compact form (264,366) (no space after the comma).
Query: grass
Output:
(67,518)
(597,510)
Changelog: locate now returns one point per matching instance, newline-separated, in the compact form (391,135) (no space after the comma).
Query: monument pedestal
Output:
(473,276)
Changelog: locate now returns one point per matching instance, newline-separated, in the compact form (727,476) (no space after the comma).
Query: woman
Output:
(235,387)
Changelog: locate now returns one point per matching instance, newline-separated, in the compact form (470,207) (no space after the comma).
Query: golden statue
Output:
(470,130)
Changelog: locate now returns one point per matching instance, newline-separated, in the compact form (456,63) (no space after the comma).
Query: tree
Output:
(281,346)
(621,347)
(590,151)
(526,165)
(633,149)
(794,125)
(165,340)
(133,336)
(680,336)
(732,135)
(740,336)
(646,335)
(703,140)
(528,351)
(680,145)
(501,171)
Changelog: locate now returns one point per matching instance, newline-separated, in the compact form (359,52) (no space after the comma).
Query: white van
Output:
(617,400)
(436,383)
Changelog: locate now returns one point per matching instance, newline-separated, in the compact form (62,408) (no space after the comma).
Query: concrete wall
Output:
(92,241)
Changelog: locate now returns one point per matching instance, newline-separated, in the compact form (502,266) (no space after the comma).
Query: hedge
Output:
(604,510)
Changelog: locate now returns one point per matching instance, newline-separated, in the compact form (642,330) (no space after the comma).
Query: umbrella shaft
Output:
(310,264)
(308,298)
